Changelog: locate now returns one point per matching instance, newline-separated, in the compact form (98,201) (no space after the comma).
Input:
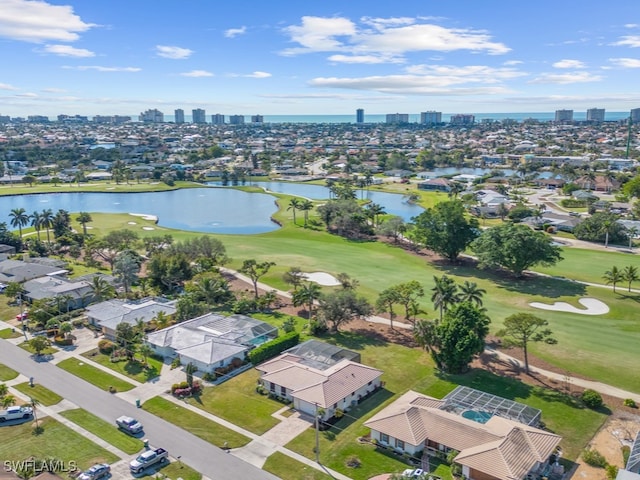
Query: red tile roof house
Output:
(501,448)
(311,386)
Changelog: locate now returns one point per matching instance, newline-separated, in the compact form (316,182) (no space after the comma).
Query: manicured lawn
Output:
(93,375)
(232,400)
(45,396)
(135,369)
(47,351)
(105,430)
(94,186)
(175,470)
(9,333)
(7,373)
(194,423)
(56,440)
(287,468)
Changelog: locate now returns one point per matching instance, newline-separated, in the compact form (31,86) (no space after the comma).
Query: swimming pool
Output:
(477,416)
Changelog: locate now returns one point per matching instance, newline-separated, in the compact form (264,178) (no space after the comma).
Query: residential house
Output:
(109,314)
(491,445)
(600,183)
(436,185)
(317,376)
(21,271)
(211,341)
(72,294)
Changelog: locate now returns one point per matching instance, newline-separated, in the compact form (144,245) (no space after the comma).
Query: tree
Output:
(445,229)
(306,295)
(613,277)
(145,351)
(39,344)
(393,227)
(444,294)
(129,337)
(189,370)
(470,292)
(386,301)
(61,223)
(254,270)
(210,288)
(34,403)
(294,204)
(524,328)
(65,329)
(630,275)
(515,247)
(36,222)
(46,221)
(424,333)
(408,295)
(294,277)
(161,320)
(631,233)
(126,268)
(19,218)
(306,206)
(340,307)
(601,227)
(374,211)
(346,282)
(83,218)
(168,271)
(101,289)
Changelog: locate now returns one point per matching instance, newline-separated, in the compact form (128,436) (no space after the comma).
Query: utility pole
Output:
(629,137)
(317,449)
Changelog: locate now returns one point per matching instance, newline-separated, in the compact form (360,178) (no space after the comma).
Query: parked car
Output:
(129,425)
(411,473)
(99,470)
(14,413)
(147,459)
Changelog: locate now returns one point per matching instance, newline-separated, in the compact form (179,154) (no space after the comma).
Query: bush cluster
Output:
(274,347)
(106,347)
(594,458)
(630,402)
(183,389)
(592,399)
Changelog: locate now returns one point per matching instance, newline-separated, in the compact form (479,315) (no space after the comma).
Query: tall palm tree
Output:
(19,218)
(46,221)
(161,320)
(613,277)
(306,295)
(36,222)
(607,225)
(294,204)
(374,210)
(470,292)
(100,289)
(632,232)
(306,206)
(630,275)
(444,293)
(83,218)
(34,403)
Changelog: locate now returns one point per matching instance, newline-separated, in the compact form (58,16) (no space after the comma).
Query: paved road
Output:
(198,454)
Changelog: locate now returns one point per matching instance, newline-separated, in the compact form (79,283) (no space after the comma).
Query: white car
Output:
(411,473)
(14,413)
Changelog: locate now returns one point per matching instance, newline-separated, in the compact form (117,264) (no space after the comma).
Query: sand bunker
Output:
(132,223)
(593,307)
(145,216)
(322,278)
(148,228)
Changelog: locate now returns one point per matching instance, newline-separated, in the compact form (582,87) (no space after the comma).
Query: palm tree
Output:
(83,218)
(100,289)
(424,332)
(470,292)
(46,221)
(65,329)
(306,206)
(630,275)
(145,351)
(161,320)
(36,222)
(613,277)
(19,218)
(444,293)
(294,204)
(34,403)
(374,211)
(632,232)
(607,225)
(306,295)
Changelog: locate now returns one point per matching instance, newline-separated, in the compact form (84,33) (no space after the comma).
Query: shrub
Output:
(175,363)
(592,399)
(594,458)
(612,472)
(353,462)
(339,413)
(77,322)
(209,377)
(106,346)
(626,452)
(289,325)
(274,347)
(317,328)
(630,402)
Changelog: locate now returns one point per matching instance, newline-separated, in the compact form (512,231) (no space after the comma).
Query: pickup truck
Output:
(129,425)
(148,458)
(14,413)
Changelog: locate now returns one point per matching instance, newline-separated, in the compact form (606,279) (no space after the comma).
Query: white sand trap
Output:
(145,216)
(110,188)
(132,223)
(148,228)
(593,307)
(322,278)
(88,227)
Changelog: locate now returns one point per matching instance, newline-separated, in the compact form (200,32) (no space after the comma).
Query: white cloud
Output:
(27,95)
(6,86)
(510,63)
(38,21)
(631,25)
(369,59)
(566,78)
(628,41)
(256,74)
(197,74)
(234,32)
(448,74)
(54,90)
(99,68)
(388,39)
(68,51)
(626,62)
(569,64)
(172,52)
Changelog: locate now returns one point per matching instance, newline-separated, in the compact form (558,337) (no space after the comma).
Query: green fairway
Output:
(194,423)
(133,369)
(95,376)
(7,373)
(55,440)
(287,468)
(43,395)
(95,186)
(105,430)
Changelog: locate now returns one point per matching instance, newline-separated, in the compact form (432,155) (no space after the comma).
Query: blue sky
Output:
(317,57)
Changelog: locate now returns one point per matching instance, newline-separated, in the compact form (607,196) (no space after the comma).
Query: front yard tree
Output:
(445,229)
(128,337)
(520,329)
(515,247)
(126,268)
(101,289)
(254,270)
(39,344)
(306,295)
(341,307)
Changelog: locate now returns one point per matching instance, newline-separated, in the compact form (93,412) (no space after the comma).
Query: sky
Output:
(314,57)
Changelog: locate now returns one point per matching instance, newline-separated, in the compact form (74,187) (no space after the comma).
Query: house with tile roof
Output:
(313,382)
(490,446)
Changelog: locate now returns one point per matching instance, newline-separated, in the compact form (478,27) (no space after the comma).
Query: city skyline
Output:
(89,58)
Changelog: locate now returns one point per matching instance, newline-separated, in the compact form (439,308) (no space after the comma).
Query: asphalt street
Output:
(198,454)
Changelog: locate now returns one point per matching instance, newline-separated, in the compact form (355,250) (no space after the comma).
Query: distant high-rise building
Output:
(236,119)
(198,115)
(360,115)
(103,119)
(119,119)
(397,118)
(430,117)
(462,119)
(5,118)
(217,119)
(564,116)
(635,115)
(178,116)
(151,116)
(595,115)
(257,119)
(37,119)
(72,118)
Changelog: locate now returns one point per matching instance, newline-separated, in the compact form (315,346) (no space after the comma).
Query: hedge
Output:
(274,347)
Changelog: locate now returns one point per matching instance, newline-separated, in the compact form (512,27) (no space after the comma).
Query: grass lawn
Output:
(45,396)
(94,186)
(9,333)
(175,470)
(93,375)
(232,400)
(287,468)
(194,423)
(105,430)
(7,373)
(56,440)
(47,351)
(135,369)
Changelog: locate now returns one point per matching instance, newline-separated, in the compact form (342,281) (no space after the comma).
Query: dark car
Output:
(99,470)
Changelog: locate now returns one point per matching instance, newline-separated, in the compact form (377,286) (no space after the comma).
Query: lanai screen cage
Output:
(469,399)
